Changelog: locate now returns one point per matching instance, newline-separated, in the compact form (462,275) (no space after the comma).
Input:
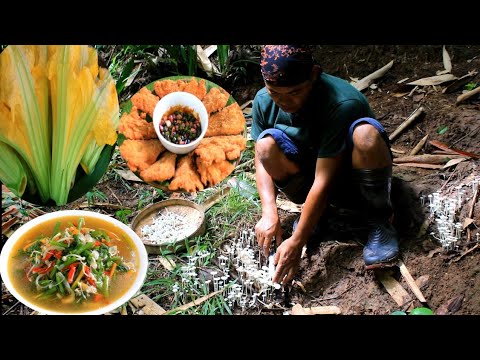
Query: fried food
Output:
(213,154)
(163,169)
(210,154)
(166,87)
(145,101)
(214,173)
(208,164)
(228,121)
(135,128)
(215,100)
(186,176)
(140,154)
(231,145)
(196,88)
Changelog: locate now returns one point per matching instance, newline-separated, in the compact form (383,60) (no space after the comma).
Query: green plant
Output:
(470,86)
(145,197)
(442,130)
(123,214)
(223,59)
(94,195)
(183,57)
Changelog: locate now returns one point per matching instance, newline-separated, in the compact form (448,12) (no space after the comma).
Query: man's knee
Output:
(366,138)
(265,148)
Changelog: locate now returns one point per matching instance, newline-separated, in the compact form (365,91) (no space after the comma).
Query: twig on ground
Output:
(467,135)
(194,302)
(107,205)
(465,253)
(407,122)
(467,95)
(446,182)
(334,296)
(246,163)
(115,196)
(11,308)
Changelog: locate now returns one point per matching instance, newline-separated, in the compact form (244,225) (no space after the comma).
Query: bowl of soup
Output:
(73,262)
(180,120)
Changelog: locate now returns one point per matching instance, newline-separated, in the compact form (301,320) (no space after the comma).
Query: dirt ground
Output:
(332,271)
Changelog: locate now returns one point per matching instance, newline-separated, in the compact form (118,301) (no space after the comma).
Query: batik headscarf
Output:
(286,65)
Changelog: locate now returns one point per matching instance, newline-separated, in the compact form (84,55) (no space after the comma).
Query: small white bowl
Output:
(184,99)
(140,273)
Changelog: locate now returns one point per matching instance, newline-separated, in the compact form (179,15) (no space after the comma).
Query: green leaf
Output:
(12,172)
(421,311)
(470,86)
(126,72)
(442,130)
(398,312)
(84,182)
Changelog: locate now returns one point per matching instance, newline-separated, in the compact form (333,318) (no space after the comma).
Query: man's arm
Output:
(288,254)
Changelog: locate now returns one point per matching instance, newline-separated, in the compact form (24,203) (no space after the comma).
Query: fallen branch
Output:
(407,122)
(465,253)
(194,302)
(467,95)
(364,83)
(426,159)
(419,146)
(419,165)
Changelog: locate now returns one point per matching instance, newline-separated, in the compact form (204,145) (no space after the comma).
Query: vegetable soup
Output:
(73,265)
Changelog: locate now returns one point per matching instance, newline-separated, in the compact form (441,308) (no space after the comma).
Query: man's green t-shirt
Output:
(322,125)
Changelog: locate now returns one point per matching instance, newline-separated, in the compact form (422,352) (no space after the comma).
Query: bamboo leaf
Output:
(433,80)
(447,63)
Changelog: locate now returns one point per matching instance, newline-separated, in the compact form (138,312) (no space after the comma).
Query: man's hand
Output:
(287,260)
(266,229)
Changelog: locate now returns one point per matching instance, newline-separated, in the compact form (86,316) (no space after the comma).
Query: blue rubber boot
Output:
(381,249)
